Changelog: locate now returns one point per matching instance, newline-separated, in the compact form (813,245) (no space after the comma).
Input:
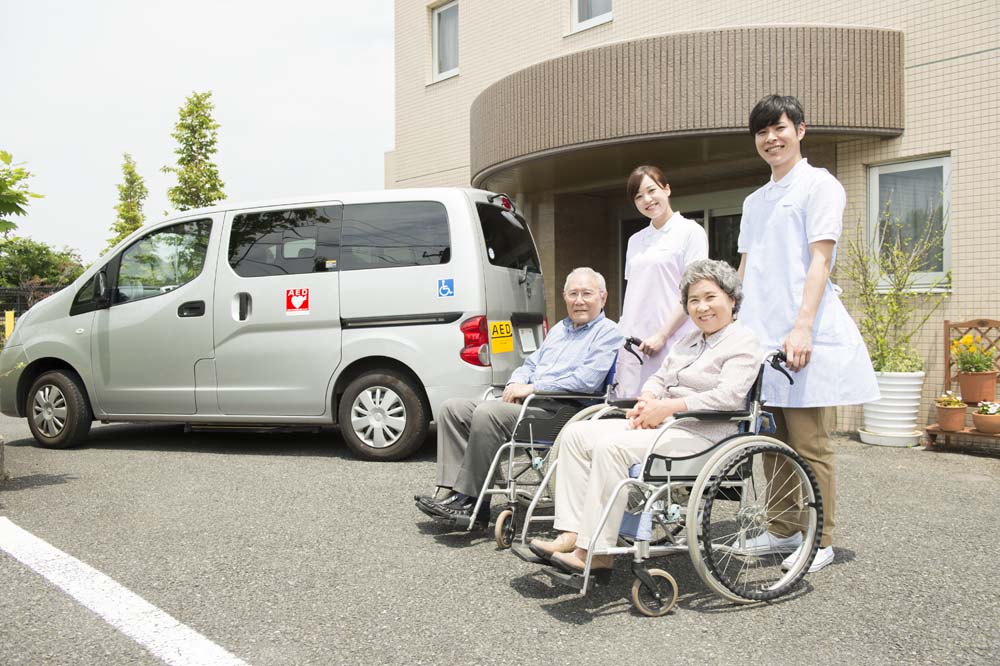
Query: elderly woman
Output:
(712,368)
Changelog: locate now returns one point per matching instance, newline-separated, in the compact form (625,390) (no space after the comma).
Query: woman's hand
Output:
(653,344)
(649,414)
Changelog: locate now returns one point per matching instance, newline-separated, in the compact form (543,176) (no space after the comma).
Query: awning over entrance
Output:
(687,95)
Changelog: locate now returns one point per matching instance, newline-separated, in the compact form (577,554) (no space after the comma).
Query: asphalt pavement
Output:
(283,549)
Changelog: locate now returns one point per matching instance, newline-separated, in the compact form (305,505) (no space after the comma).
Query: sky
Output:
(303,91)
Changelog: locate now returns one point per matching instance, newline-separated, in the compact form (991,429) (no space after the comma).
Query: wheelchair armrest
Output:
(568,396)
(712,416)
(623,403)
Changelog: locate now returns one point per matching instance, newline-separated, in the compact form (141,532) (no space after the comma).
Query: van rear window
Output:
(508,241)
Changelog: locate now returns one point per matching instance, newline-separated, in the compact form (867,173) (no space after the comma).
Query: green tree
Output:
(196,132)
(26,263)
(132,193)
(14,192)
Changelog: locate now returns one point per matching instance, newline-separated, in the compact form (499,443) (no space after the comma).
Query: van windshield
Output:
(508,241)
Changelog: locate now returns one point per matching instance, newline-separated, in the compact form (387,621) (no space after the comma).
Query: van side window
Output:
(162,261)
(508,241)
(285,242)
(392,235)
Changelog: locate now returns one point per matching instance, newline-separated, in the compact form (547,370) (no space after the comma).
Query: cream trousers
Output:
(593,457)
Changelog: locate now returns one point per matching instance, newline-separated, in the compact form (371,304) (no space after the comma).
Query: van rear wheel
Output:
(382,417)
(57,410)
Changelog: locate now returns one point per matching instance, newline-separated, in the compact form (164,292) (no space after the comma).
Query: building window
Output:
(588,13)
(444,20)
(911,200)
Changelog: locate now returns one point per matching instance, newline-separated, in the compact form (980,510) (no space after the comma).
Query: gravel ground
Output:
(284,550)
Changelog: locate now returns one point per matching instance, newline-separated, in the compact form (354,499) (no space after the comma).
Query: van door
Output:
(515,294)
(145,345)
(277,311)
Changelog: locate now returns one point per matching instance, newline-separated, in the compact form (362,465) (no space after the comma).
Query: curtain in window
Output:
(447,34)
(588,9)
(910,205)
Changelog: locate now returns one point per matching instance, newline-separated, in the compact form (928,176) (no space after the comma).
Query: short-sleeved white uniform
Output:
(654,264)
(779,222)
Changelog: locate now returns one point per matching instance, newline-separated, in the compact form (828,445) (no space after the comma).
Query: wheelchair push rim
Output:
(738,496)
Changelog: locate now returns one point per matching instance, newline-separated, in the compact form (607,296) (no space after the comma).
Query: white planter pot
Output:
(892,420)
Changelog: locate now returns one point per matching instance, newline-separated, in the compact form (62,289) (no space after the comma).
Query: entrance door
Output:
(277,311)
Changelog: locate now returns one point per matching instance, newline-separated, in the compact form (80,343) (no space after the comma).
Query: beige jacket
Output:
(713,373)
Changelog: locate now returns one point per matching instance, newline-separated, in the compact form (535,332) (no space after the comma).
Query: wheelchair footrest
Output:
(522,551)
(575,581)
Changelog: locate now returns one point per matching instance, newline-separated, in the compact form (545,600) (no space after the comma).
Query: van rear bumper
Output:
(13,360)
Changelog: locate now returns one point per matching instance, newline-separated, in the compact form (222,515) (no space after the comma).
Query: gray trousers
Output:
(469,433)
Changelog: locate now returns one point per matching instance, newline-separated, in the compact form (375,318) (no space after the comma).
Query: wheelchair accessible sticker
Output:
(501,337)
(296,301)
(446,287)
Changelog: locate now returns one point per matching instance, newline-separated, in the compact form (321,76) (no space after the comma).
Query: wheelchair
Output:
(731,491)
(519,465)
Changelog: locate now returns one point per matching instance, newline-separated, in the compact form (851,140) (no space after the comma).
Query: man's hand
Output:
(653,344)
(517,392)
(798,348)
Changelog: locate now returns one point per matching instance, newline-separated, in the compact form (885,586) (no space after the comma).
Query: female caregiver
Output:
(712,368)
(654,262)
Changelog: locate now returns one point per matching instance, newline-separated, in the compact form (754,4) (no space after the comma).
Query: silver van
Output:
(364,309)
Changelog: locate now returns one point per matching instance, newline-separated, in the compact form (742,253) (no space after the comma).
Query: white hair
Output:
(589,272)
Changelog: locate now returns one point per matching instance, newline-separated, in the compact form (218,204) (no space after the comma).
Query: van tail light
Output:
(476,349)
(545,326)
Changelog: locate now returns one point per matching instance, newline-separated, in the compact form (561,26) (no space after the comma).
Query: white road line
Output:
(156,631)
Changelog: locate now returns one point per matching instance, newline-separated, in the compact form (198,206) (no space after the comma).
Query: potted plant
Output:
(986,418)
(883,276)
(950,411)
(977,376)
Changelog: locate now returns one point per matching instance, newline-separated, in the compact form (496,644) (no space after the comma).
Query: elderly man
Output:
(575,358)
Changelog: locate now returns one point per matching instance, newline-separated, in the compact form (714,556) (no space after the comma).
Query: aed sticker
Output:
(296,301)
(501,337)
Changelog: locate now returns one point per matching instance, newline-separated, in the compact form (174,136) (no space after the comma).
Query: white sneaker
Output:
(824,556)
(767,544)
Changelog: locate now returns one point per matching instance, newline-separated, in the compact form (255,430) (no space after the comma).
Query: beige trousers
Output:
(805,430)
(593,457)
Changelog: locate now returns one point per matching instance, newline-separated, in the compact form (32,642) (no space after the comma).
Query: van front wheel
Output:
(57,410)
(382,417)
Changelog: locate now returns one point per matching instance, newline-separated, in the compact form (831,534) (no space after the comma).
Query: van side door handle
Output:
(191,309)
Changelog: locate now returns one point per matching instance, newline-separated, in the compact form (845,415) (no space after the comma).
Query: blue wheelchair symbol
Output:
(446,287)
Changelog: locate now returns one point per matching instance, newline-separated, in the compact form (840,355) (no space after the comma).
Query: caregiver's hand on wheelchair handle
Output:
(798,348)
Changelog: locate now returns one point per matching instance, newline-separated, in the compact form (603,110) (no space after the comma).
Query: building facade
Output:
(555,102)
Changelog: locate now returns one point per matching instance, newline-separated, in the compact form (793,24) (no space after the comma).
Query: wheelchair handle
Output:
(628,347)
(776,359)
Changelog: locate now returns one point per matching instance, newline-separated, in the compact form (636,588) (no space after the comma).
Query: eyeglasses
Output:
(587,294)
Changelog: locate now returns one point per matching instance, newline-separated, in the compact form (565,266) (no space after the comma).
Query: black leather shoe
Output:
(462,509)
(430,501)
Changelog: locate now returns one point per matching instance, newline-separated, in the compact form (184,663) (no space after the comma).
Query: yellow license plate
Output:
(501,337)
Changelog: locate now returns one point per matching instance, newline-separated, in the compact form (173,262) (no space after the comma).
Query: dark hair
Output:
(769,109)
(640,172)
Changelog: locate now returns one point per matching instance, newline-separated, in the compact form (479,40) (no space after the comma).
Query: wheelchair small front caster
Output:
(655,603)
(504,530)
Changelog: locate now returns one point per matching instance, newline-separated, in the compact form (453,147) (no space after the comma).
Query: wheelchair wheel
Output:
(584,414)
(741,492)
(645,600)
(504,530)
